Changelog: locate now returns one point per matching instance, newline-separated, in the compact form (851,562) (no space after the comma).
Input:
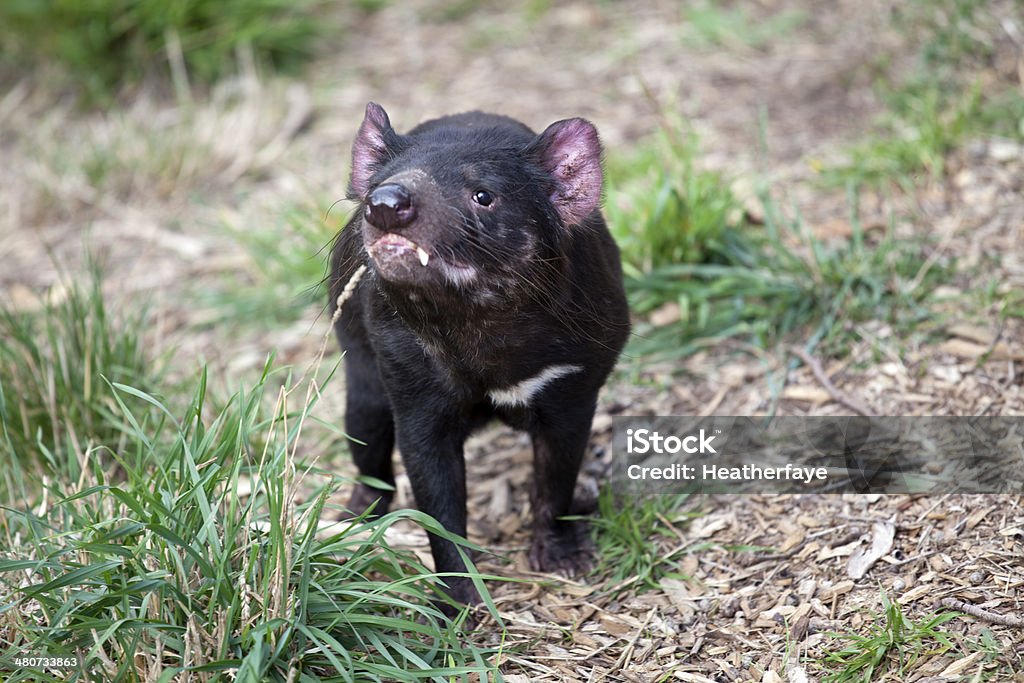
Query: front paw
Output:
(564,547)
(363,497)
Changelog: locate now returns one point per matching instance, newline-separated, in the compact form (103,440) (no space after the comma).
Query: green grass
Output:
(662,207)
(951,96)
(689,255)
(685,245)
(630,533)
(104,44)
(924,123)
(954,34)
(285,273)
(55,368)
(710,23)
(893,645)
(188,538)
(451,11)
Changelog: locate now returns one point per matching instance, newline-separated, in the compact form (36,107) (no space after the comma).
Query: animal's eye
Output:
(483,198)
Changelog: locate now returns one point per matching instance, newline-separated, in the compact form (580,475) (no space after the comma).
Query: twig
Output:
(933,257)
(837,395)
(627,652)
(967,608)
(747,561)
(711,407)
(915,558)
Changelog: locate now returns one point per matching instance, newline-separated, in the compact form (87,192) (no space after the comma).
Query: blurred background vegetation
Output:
(685,238)
(105,46)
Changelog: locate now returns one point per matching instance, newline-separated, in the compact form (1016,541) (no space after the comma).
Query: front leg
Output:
(559,443)
(431,445)
(368,415)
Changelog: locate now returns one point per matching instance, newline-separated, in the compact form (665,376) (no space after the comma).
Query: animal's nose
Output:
(389,207)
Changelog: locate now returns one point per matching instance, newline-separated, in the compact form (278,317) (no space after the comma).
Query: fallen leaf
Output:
(882,535)
(972,333)
(841,588)
(705,527)
(800,623)
(961,665)
(966,349)
(916,593)
(614,627)
(805,393)
(682,597)
(692,678)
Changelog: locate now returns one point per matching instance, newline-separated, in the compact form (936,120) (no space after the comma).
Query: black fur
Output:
(424,345)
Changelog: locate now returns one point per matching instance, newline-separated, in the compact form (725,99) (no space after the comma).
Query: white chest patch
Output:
(520,394)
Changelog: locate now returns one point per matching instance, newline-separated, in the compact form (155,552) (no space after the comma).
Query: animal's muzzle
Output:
(390,207)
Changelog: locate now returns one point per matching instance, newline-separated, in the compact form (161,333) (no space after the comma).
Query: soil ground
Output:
(774,111)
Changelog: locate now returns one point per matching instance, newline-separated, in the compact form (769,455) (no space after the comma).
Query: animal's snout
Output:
(389,207)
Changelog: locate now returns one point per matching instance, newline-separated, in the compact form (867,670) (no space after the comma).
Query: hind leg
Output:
(559,442)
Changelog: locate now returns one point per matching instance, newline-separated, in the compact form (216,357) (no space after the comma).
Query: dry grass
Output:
(125,181)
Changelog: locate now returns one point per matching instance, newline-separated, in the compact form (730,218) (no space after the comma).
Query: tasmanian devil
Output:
(493,289)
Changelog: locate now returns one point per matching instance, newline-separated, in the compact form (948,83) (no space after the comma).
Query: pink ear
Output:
(571,152)
(370,148)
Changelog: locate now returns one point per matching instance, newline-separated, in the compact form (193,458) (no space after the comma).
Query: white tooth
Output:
(424,256)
